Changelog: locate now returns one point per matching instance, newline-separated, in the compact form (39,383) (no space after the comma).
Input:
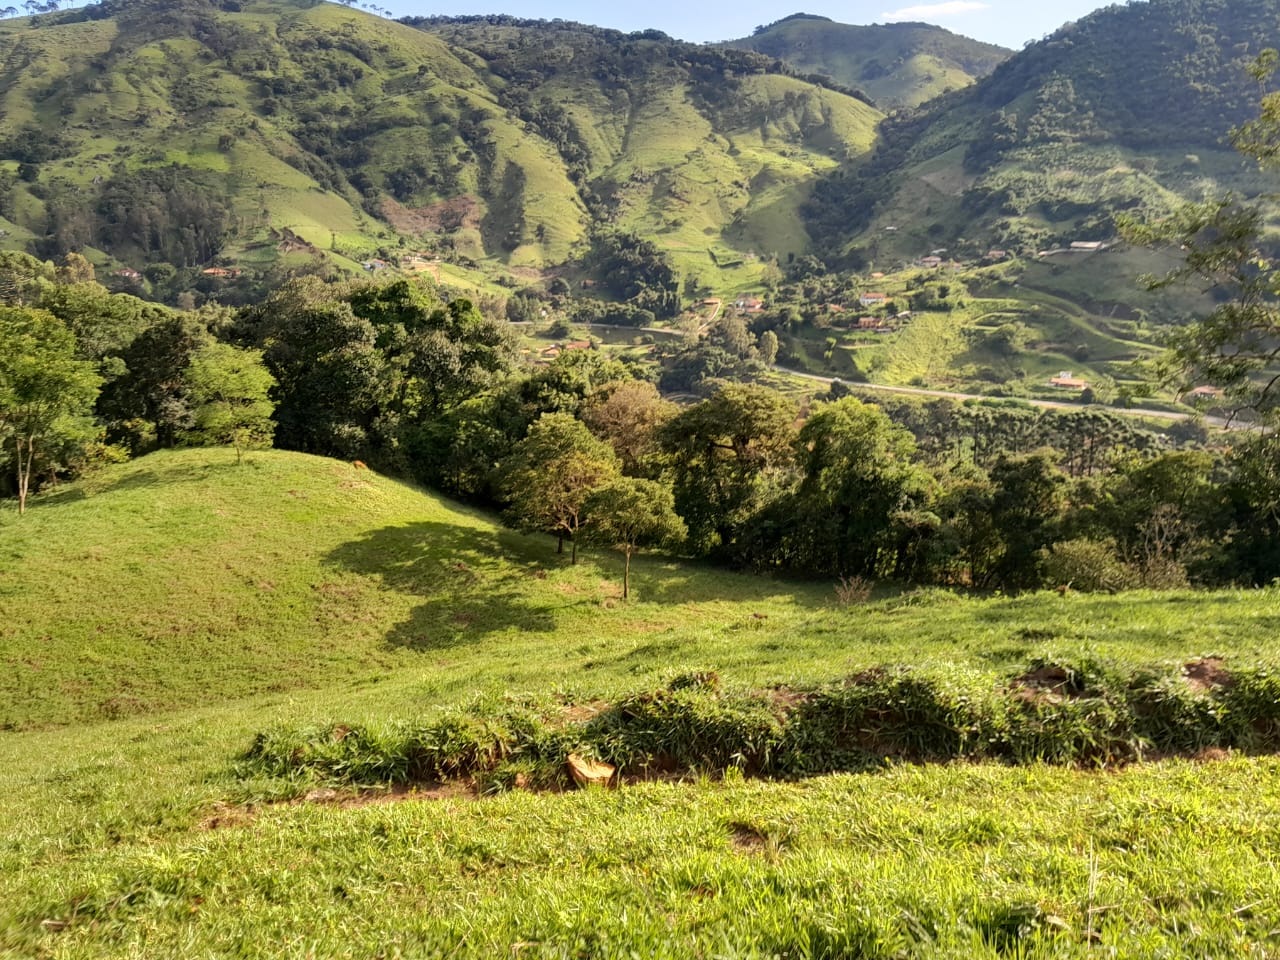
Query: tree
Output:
(1164,511)
(551,473)
(863,506)
(628,414)
(149,405)
(730,456)
(1027,501)
(768,347)
(45,392)
(630,512)
(231,389)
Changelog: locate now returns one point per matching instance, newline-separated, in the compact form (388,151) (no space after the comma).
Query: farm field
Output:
(162,618)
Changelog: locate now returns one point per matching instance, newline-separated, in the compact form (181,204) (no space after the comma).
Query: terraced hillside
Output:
(897,64)
(282,133)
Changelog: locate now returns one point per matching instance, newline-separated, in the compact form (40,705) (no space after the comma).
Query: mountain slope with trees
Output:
(1126,108)
(897,64)
(282,135)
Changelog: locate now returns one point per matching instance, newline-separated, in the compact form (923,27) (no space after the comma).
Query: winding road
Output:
(1220,422)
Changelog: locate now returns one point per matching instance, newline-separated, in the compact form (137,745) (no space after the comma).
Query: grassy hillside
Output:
(897,64)
(279,134)
(1126,109)
(294,572)
(201,604)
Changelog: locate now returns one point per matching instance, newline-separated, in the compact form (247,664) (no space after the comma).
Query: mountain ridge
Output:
(240,123)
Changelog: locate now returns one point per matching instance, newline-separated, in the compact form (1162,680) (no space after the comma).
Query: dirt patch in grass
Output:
(582,712)
(1212,755)
(784,699)
(444,217)
(1204,675)
(1047,684)
(747,838)
(224,816)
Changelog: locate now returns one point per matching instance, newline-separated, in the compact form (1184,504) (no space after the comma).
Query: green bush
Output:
(1082,712)
(1090,566)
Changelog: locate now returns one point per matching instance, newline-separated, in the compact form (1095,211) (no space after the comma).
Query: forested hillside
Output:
(257,139)
(897,64)
(276,135)
(1126,108)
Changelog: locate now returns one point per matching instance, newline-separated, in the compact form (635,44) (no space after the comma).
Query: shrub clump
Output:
(1082,712)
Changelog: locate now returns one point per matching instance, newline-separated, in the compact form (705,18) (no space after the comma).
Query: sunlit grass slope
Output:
(201,603)
(182,577)
(897,64)
(355,133)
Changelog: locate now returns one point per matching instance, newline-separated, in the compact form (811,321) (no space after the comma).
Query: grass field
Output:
(161,616)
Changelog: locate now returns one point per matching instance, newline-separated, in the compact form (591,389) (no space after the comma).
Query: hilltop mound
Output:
(181,576)
(898,64)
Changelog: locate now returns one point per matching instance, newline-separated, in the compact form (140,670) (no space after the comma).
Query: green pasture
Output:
(158,617)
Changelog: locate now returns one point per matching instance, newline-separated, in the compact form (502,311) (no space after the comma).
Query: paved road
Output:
(1046,404)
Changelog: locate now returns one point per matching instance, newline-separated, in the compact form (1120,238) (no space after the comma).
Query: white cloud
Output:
(933,11)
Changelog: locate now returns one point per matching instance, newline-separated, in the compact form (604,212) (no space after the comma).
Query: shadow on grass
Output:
(157,476)
(472,583)
(657,580)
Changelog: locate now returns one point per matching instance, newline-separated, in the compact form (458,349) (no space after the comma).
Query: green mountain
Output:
(1128,108)
(277,133)
(897,64)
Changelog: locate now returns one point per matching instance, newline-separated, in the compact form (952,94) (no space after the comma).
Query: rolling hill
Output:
(897,64)
(273,134)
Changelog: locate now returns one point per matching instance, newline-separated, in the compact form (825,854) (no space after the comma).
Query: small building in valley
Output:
(1065,381)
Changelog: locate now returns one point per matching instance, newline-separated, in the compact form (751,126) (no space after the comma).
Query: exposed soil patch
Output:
(784,699)
(582,712)
(1204,675)
(1049,684)
(447,216)
(1212,755)
(224,816)
(746,837)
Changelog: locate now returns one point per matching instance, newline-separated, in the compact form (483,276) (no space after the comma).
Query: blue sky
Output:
(1010,23)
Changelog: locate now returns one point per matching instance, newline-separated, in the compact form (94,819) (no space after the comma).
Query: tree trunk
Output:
(573,555)
(559,543)
(24,472)
(626,575)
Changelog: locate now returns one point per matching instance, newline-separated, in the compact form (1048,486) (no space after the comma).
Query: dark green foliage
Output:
(635,270)
(862,507)
(1166,76)
(1087,712)
(167,214)
(729,458)
(362,367)
(149,405)
(1161,73)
